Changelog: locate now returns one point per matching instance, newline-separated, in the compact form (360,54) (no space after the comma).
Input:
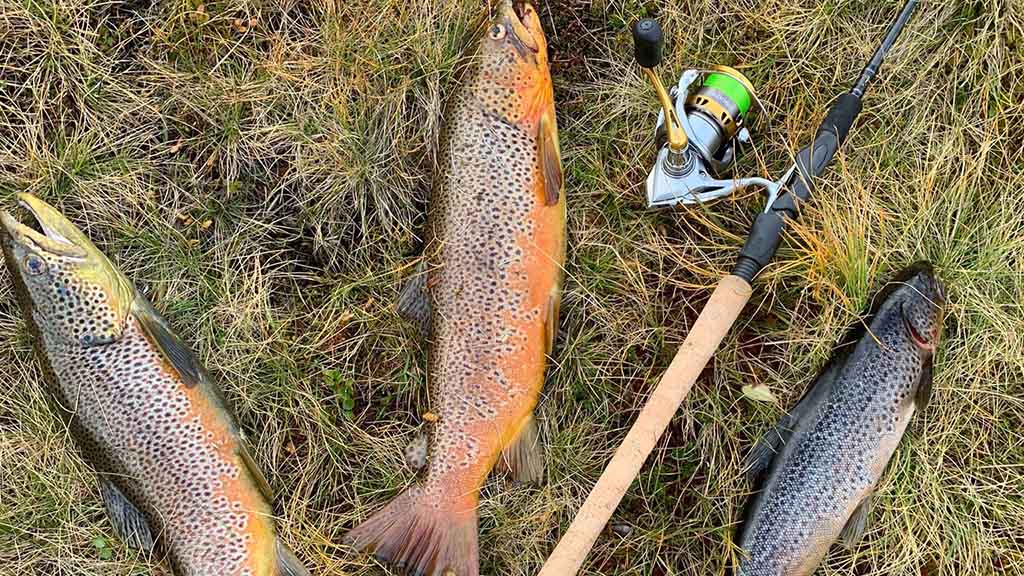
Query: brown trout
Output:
(818,468)
(488,299)
(173,469)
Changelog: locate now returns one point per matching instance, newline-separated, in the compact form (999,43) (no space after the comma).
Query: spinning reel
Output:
(702,123)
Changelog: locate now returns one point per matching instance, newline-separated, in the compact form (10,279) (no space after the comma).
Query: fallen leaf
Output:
(759,393)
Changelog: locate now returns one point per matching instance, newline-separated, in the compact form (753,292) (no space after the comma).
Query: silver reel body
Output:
(690,176)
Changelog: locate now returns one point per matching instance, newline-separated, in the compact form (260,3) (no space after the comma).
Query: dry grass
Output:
(263,184)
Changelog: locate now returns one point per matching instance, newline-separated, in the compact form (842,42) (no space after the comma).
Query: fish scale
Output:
(488,297)
(821,464)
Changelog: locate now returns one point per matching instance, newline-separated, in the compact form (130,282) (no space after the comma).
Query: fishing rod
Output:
(700,124)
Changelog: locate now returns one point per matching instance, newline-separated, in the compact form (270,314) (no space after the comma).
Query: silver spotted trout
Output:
(173,468)
(818,468)
(488,298)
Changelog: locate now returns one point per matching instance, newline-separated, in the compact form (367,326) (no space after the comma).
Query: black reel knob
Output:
(647,42)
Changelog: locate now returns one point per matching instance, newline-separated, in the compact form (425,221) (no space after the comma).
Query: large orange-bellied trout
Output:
(818,468)
(489,298)
(173,469)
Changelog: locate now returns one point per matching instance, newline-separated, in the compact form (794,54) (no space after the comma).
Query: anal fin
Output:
(414,302)
(524,456)
(287,563)
(853,531)
(129,523)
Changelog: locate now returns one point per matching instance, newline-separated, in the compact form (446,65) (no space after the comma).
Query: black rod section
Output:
(811,161)
(876,61)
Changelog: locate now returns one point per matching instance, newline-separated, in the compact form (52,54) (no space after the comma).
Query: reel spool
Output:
(716,111)
(702,122)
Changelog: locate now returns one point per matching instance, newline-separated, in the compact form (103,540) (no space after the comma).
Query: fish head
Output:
(921,300)
(514,81)
(73,292)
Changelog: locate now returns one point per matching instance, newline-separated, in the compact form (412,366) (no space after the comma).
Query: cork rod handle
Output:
(714,322)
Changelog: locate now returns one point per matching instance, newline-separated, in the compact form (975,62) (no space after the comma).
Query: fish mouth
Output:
(524,21)
(50,237)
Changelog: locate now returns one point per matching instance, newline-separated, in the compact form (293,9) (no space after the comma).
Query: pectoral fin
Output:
(287,563)
(414,302)
(524,457)
(854,529)
(129,524)
(550,160)
(924,387)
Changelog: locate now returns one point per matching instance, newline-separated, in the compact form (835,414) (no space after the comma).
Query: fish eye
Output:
(497,32)
(34,265)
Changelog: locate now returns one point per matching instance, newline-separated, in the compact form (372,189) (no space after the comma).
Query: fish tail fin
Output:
(421,538)
(287,563)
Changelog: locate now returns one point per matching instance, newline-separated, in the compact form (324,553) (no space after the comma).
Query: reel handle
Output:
(647,42)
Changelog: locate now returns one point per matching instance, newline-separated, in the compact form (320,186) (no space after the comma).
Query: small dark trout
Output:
(173,468)
(818,468)
(489,298)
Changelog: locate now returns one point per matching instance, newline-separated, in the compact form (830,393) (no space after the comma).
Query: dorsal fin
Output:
(245,455)
(414,302)
(758,461)
(129,523)
(763,453)
(549,159)
(174,350)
